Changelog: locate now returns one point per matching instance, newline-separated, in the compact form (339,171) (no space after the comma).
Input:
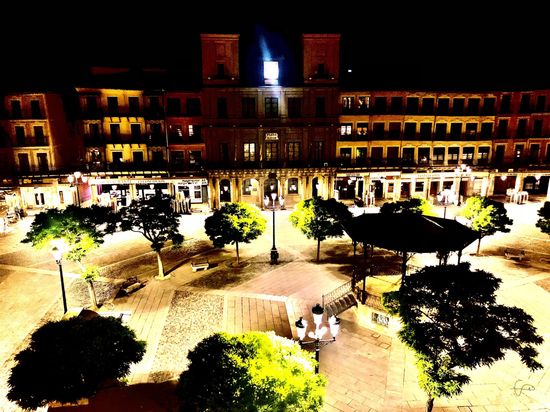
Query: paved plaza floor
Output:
(367,370)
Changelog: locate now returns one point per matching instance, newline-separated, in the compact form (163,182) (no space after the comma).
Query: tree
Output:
(255,371)
(234,223)
(544,221)
(451,320)
(414,205)
(79,230)
(67,360)
(486,217)
(156,220)
(320,219)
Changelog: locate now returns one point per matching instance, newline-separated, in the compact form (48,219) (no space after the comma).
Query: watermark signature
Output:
(520,388)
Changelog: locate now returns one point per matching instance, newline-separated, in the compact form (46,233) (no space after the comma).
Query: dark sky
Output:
(468,46)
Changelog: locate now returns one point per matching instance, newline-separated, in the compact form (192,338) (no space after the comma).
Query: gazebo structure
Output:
(410,233)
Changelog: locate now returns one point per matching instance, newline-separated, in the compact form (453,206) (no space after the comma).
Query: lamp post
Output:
(74,178)
(57,255)
(317,335)
(445,198)
(463,169)
(274,253)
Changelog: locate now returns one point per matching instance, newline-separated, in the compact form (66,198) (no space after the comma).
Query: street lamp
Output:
(463,169)
(274,254)
(57,255)
(74,178)
(317,335)
(445,198)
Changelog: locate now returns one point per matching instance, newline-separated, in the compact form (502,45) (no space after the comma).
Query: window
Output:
(222,107)
(525,103)
(396,105)
(408,154)
(117,157)
(428,104)
(548,153)
(137,157)
(522,129)
(456,131)
(175,131)
(190,130)
(471,131)
(173,106)
(443,106)
(412,105)
(94,131)
(320,110)
(135,129)
(318,152)
(36,113)
(361,155)
(249,152)
(271,151)
(193,106)
(505,103)
(112,106)
(158,157)
(392,154)
(176,157)
(115,131)
(380,319)
(133,105)
(345,129)
(347,105)
(91,105)
(39,135)
(380,105)
(541,104)
(363,104)
(16,112)
(24,165)
(271,107)
(294,107)
(426,131)
(473,106)
(195,157)
(486,131)
(293,151)
(271,72)
(468,155)
(409,131)
(249,107)
(440,131)
(293,185)
(483,155)
(439,155)
(502,131)
(423,155)
(154,105)
(345,155)
(247,187)
(394,132)
(378,130)
(458,106)
(499,153)
(156,130)
(376,155)
(537,128)
(534,152)
(518,153)
(452,155)
(220,72)
(224,152)
(20,135)
(488,106)
(42,159)
(362,129)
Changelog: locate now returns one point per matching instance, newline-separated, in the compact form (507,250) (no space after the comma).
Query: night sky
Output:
(385,46)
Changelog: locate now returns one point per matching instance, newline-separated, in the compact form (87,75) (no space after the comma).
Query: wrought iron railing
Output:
(337,293)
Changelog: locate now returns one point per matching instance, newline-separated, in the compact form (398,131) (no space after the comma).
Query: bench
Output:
(199,264)
(131,285)
(518,254)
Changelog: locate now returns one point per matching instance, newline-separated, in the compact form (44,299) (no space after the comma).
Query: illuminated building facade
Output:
(232,139)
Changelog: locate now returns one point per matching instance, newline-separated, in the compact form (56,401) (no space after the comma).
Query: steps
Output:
(340,305)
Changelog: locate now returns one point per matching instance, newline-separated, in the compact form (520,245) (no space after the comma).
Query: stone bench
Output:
(131,285)
(199,264)
(518,254)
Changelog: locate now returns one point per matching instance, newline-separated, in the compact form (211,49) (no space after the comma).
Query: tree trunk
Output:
(237,247)
(318,248)
(429,404)
(478,245)
(91,291)
(160,266)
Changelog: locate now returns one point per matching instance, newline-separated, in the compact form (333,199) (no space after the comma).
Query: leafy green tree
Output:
(156,220)
(544,220)
(79,229)
(255,371)
(486,216)
(451,320)
(234,223)
(67,360)
(320,219)
(414,205)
